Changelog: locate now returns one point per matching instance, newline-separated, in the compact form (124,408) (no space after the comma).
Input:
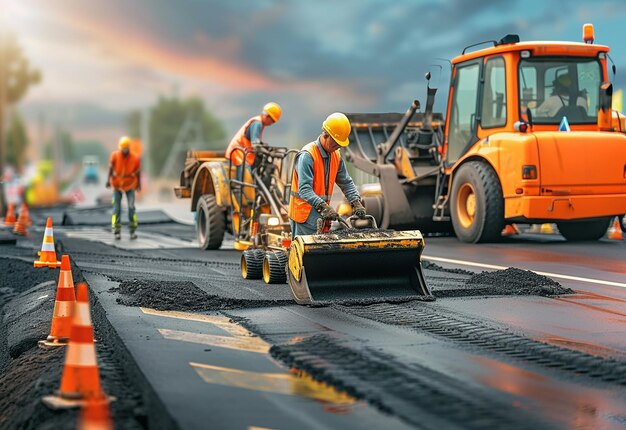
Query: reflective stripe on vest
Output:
(299,209)
(240,139)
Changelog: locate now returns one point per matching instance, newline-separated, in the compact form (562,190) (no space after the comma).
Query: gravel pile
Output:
(519,282)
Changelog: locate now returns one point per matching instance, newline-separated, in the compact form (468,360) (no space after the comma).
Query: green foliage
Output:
(16,141)
(167,118)
(19,75)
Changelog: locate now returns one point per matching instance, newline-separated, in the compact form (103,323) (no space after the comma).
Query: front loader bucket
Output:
(349,265)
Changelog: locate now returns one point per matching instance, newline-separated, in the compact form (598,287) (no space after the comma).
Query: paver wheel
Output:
(252,263)
(476,203)
(210,222)
(584,230)
(274,267)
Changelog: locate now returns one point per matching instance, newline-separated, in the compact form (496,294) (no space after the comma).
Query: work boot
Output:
(118,235)
(133,235)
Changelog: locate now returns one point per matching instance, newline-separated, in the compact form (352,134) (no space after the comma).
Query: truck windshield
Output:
(556,87)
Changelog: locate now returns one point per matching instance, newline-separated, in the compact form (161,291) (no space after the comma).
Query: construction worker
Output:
(561,90)
(124,176)
(318,167)
(251,133)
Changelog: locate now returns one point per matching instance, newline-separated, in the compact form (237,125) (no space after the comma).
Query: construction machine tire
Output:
(584,230)
(252,263)
(622,222)
(274,267)
(210,222)
(476,203)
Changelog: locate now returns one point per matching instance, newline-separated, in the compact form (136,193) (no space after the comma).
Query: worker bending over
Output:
(251,133)
(318,167)
(124,176)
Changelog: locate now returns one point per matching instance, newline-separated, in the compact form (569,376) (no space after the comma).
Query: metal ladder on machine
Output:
(441,199)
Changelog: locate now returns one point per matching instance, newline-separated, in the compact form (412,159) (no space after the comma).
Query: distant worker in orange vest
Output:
(251,133)
(124,177)
(318,167)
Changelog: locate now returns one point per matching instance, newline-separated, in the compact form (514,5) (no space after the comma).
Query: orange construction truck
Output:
(529,137)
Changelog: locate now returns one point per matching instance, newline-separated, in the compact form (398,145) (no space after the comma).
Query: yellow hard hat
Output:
(273,110)
(124,142)
(338,127)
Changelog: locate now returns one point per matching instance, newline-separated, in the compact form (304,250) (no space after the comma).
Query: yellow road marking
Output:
(549,274)
(250,344)
(295,384)
(222,322)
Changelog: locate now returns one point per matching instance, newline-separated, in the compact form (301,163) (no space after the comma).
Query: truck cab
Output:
(527,140)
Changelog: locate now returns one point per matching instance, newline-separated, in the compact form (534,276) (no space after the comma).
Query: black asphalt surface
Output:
(501,350)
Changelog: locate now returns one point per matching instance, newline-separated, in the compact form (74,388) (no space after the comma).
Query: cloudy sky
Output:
(102,58)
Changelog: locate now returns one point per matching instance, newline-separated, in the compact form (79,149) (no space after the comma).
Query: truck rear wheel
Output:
(584,230)
(210,222)
(476,203)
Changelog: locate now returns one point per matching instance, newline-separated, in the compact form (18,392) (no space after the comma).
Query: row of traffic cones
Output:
(72,328)
(614,232)
(80,380)
(19,224)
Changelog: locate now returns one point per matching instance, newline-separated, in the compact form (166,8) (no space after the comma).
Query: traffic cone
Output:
(615,231)
(47,255)
(81,379)
(10,219)
(510,230)
(20,226)
(63,305)
(95,415)
(24,212)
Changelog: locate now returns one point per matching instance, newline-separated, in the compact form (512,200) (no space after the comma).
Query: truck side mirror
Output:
(605,109)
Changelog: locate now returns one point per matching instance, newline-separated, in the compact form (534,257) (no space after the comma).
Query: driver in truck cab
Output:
(561,90)
(318,167)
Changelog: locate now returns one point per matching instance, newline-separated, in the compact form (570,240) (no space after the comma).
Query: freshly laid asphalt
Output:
(242,355)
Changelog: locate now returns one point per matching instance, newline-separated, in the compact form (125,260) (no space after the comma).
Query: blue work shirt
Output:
(253,132)
(304,169)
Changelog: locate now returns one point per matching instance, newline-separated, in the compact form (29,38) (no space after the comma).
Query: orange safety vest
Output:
(299,209)
(240,139)
(125,171)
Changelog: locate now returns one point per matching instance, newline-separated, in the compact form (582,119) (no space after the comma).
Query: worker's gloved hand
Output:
(358,209)
(327,212)
(108,184)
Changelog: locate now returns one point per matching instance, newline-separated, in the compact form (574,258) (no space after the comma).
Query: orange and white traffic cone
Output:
(510,230)
(48,255)
(24,212)
(615,231)
(95,415)
(20,226)
(10,218)
(81,378)
(63,306)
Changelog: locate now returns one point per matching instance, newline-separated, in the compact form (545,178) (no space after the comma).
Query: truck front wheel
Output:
(210,222)
(476,203)
(584,230)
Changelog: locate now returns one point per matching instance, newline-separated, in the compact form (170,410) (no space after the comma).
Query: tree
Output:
(17,141)
(167,118)
(16,76)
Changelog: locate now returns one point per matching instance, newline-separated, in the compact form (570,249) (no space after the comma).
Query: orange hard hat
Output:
(338,127)
(273,110)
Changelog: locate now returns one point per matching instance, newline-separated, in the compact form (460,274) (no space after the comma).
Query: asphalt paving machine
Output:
(251,203)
